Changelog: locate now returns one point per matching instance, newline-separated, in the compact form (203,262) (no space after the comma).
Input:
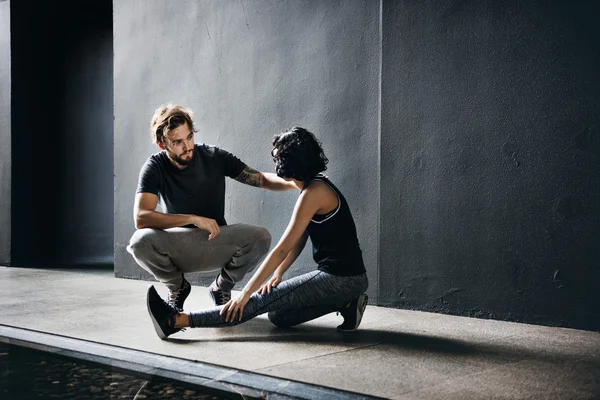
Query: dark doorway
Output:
(62,133)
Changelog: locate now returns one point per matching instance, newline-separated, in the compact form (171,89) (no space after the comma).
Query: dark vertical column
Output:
(491,160)
(86,121)
(5,137)
(36,64)
(62,192)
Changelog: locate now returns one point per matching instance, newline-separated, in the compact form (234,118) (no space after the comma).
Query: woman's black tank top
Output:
(333,236)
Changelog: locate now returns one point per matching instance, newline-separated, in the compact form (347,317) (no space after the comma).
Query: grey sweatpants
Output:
(293,301)
(167,253)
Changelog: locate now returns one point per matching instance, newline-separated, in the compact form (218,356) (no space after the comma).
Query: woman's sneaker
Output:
(353,313)
(161,314)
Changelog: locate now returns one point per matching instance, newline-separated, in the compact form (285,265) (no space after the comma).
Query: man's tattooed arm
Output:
(249,176)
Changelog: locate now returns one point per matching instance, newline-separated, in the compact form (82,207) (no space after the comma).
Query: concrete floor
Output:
(396,354)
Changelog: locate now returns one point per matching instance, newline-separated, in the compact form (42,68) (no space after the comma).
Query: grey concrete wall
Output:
(490,153)
(5,136)
(483,148)
(250,70)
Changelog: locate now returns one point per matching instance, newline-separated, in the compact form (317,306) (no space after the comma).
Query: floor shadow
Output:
(328,335)
(263,332)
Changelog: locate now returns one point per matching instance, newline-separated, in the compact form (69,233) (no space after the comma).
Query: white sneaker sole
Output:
(157,327)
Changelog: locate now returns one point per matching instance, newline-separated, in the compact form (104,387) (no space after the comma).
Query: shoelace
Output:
(172,298)
(224,296)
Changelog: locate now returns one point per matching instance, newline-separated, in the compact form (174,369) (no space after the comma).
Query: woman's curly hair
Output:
(298,155)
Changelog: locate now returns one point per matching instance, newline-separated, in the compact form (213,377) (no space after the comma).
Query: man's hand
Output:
(207,224)
(235,307)
(270,284)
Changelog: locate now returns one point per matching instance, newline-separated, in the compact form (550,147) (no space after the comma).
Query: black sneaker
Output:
(161,314)
(219,295)
(353,313)
(176,298)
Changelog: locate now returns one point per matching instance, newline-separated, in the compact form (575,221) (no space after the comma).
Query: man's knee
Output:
(263,239)
(142,241)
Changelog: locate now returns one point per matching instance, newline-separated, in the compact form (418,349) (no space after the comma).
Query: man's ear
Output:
(160,144)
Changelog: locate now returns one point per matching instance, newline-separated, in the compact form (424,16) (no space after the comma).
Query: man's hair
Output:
(298,155)
(169,116)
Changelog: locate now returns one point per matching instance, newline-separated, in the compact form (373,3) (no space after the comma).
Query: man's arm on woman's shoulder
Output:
(265,180)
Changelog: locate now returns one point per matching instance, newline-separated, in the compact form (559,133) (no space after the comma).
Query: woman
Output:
(322,213)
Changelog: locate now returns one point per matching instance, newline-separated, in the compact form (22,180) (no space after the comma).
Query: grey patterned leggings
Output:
(293,301)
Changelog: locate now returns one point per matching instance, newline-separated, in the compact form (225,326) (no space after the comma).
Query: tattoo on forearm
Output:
(249,176)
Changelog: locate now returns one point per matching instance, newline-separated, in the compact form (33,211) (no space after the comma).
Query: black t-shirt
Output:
(334,239)
(197,189)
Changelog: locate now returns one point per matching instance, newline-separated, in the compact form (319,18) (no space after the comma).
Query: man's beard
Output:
(179,160)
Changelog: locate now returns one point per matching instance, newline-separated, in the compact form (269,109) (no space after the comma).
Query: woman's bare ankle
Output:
(182,320)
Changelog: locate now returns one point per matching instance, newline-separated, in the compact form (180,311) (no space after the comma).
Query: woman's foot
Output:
(353,313)
(161,314)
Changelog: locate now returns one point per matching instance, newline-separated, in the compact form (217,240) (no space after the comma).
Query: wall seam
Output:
(379,86)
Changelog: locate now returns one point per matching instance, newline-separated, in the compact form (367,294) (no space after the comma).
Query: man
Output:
(192,234)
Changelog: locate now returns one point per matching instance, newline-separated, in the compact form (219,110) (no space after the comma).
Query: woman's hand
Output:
(271,283)
(235,306)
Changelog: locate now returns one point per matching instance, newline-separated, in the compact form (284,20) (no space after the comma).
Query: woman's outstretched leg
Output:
(316,288)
